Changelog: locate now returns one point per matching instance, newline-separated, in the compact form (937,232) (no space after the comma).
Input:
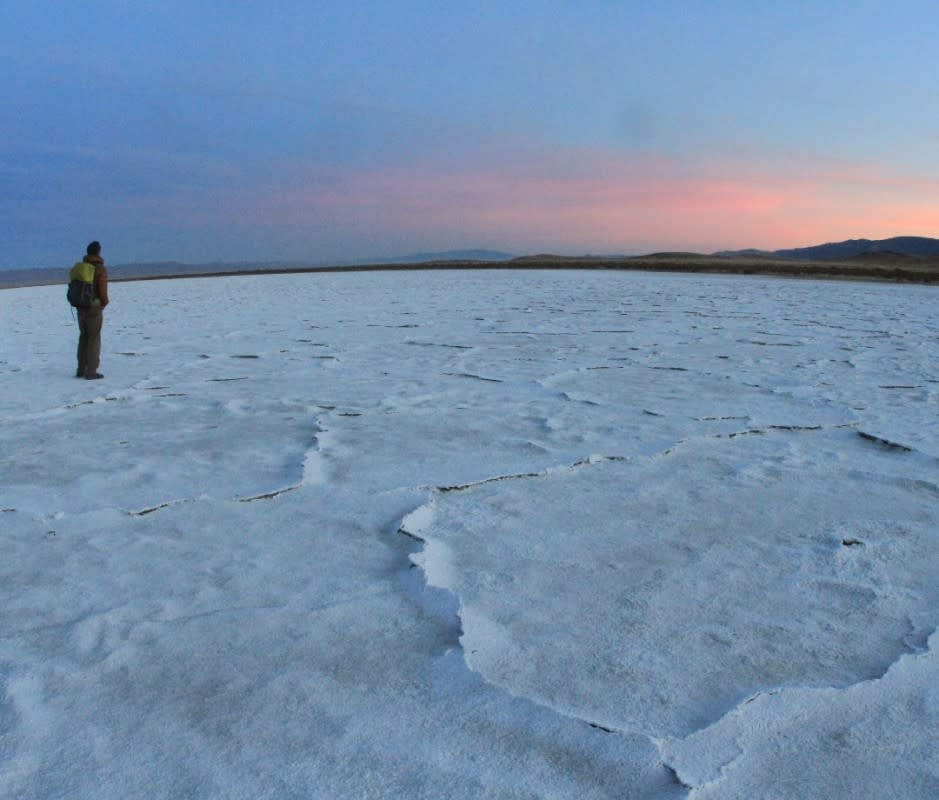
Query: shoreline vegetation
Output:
(880,266)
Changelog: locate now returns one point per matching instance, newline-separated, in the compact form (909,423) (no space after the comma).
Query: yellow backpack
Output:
(81,285)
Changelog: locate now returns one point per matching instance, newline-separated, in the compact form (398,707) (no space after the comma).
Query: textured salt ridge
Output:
(432,557)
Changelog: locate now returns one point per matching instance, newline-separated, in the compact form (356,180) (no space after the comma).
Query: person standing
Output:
(91,319)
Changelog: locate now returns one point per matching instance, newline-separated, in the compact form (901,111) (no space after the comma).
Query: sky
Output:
(326,131)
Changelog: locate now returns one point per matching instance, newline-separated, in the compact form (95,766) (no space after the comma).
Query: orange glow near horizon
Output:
(620,205)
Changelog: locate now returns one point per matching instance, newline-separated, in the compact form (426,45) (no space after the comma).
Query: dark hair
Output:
(93,249)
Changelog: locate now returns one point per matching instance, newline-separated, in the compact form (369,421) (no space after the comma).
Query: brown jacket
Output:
(101,278)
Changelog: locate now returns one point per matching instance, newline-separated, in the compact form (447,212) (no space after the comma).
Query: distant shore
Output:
(863,268)
(887,267)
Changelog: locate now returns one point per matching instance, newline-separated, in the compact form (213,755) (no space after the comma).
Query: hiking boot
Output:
(79,373)
(94,376)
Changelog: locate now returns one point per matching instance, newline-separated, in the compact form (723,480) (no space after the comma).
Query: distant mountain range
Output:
(917,246)
(909,254)
(446,255)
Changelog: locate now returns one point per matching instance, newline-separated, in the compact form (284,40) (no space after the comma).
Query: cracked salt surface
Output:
(620,594)
(689,599)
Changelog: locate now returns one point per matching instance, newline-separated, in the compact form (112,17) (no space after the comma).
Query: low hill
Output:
(922,246)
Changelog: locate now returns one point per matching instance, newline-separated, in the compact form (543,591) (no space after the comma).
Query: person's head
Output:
(94,249)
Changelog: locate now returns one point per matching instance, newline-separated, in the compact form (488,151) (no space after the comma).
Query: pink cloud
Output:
(585,201)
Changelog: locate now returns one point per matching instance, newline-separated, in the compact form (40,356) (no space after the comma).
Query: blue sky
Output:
(208,131)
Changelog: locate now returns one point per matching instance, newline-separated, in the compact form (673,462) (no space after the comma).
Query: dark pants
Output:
(90,321)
